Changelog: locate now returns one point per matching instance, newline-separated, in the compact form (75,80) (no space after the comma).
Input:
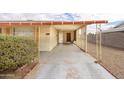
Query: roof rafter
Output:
(38,23)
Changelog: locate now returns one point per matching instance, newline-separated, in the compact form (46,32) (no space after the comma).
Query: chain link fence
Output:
(112,50)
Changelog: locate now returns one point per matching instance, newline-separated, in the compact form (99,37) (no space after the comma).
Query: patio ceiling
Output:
(71,27)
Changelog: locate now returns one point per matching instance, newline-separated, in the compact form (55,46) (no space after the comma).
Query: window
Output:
(23,31)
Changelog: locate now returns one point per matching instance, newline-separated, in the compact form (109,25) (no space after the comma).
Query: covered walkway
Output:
(68,61)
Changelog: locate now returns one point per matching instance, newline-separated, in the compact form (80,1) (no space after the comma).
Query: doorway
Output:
(68,36)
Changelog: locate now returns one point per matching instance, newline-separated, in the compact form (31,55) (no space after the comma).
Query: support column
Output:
(85,34)
(98,43)
(11,31)
(37,40)
(37,36)
(83,39)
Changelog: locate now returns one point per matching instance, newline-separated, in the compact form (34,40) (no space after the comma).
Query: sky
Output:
(110,17)
(63,16)
(113,18)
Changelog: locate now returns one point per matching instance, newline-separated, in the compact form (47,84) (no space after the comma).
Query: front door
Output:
(68,37)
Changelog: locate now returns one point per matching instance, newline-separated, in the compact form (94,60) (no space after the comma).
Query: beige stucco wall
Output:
(53,38)
(48,38)
(44,39)
(60,37)
(83,41)
(80,38)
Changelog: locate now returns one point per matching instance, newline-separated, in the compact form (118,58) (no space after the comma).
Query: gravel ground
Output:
(112,59)
(68,62)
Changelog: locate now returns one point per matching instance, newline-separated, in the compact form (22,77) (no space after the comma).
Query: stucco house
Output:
(48,34)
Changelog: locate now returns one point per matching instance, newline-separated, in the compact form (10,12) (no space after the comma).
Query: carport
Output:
(70,55)
(60,26)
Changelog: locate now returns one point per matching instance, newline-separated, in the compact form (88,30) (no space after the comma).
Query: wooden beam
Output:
(38,23)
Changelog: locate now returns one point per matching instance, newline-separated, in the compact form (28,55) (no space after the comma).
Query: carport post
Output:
(98,43)
(82,37)
(85,34)
(39,37)
(38,41)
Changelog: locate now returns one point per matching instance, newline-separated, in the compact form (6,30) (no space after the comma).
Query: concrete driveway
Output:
(68,62)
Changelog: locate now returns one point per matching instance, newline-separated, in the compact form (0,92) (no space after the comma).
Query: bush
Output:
(16,52)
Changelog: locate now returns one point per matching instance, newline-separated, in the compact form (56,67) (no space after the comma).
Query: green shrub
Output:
(16,52)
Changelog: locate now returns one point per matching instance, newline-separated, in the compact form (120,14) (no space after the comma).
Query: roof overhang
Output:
(32,23)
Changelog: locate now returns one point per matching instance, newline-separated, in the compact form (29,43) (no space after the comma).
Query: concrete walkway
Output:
(68,61)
